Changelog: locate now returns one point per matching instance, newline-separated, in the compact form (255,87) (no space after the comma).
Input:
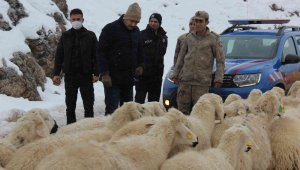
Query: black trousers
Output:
(83,82)
(152,86)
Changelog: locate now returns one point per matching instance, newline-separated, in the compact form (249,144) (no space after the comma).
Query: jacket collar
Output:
(160,30)
(207,32)
(82,31)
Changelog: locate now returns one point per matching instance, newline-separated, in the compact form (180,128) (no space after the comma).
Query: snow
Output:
(97,13)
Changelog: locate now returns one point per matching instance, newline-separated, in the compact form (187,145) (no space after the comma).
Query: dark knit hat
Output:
(156,16)
(133,12)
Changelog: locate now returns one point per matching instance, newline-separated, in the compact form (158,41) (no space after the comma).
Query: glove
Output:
(175,80)
(56,80)
(106,80)
(95,78)
(217,84)
(139,71)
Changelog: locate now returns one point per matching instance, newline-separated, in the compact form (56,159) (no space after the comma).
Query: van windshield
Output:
(249,47)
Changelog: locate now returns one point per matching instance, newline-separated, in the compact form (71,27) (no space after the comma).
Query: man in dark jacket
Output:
(155,43)
(76,57)
(120,56)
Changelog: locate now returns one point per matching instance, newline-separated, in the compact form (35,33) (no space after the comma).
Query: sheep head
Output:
(294,88)
(235,141)
(45,115)
(183,136)
(217,102)
(279,92)
(232,97)
(268,103)
(254,95)
(154,108)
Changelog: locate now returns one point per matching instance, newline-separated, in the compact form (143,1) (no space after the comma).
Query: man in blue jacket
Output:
(120,58)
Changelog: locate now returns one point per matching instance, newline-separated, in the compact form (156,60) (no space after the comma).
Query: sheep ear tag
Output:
(189,136)
(281,108)
(249,145)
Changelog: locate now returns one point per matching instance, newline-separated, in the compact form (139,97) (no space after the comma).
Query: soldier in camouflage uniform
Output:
(181,38)
(193,69)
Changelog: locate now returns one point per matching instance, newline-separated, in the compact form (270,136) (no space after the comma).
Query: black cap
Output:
(156,16)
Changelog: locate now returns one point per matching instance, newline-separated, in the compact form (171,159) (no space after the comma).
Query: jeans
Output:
(115,96)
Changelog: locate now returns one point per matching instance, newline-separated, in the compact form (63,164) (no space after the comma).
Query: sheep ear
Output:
(250,144)
(148,125)
(42,130)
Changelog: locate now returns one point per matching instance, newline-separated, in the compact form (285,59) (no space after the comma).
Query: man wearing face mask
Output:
(155,42)
(120,58)
(76,57)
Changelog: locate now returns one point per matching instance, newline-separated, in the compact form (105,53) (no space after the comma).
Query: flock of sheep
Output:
(261,132)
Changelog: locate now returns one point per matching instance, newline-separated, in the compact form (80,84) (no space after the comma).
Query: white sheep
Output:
(146,109)
(146,151)
(237,107)
(242,106)
(155,108)
(6,152)
(84,124)
(137,127)
(234,143)
(294,88)
(253,96)
(33,125)
(29,156)
(208,108)
(259,125)
(14,115)
(285,142)
(232,97)
(290,102)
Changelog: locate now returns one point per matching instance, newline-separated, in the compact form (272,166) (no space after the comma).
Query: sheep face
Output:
(239,134)
(29,128)
(184,136)
(268,103)
(45,115)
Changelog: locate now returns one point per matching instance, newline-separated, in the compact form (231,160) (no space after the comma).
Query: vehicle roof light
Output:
(258,21)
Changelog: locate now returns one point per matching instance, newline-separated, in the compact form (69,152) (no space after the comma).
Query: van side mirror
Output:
(291,59)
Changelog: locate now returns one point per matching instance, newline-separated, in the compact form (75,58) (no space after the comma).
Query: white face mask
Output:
(76,25)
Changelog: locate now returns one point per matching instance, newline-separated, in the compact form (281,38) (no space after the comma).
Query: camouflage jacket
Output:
(196,59)
(179,43)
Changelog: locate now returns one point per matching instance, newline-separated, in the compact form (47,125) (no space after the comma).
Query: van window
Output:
(289,47)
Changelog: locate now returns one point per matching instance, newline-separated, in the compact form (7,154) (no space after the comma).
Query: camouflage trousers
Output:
(188,95)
